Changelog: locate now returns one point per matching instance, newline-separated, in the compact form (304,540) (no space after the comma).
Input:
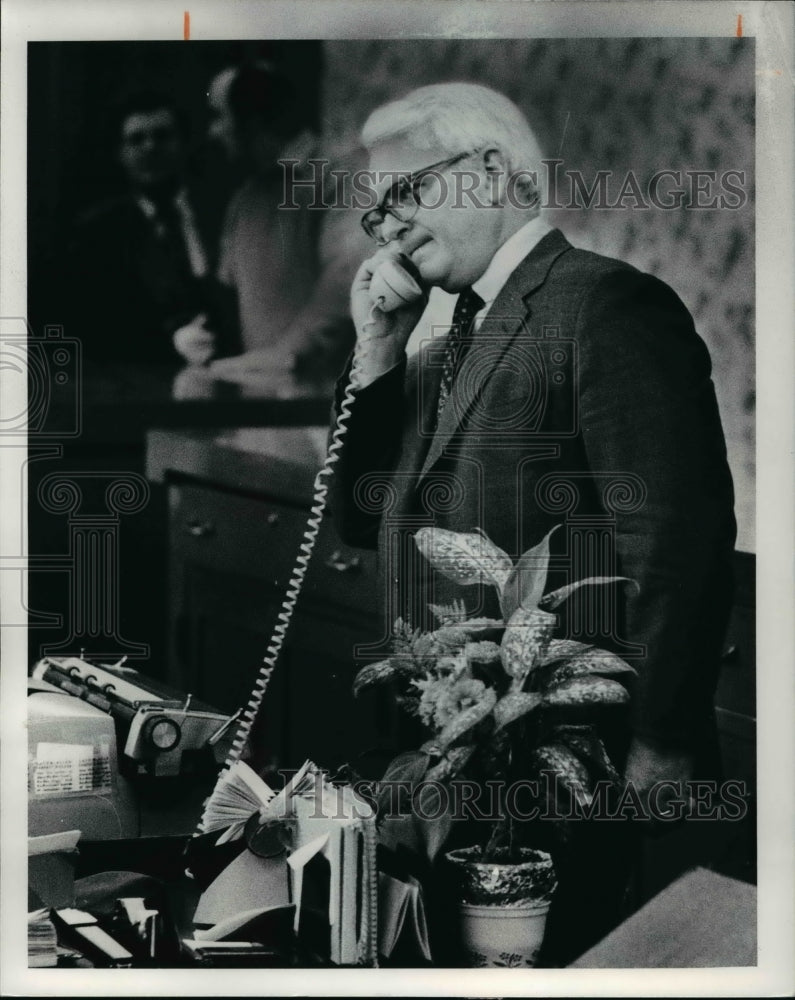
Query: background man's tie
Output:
(467,306)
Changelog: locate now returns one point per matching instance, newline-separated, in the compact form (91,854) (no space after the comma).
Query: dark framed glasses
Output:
(403,199)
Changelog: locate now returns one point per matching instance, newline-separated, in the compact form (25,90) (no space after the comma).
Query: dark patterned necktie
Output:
(467,306)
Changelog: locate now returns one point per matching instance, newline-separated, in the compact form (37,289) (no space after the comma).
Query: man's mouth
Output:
(417,249)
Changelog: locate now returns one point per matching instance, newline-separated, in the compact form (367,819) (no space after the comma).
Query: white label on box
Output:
(70,767)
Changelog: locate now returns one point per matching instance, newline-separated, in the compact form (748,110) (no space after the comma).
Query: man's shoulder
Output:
(577,259)
(558,272)
(579,273)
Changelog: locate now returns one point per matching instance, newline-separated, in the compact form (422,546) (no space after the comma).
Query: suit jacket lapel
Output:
(505,319)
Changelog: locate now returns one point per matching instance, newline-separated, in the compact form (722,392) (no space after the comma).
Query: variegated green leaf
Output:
(560,672)
(373,673)
(603,662)
(585,743)
(471,627)
(552,668)
(465,720)
(465,558)
(555,598)
(524,641)
(513,706)
(589,690)
(555,669)
(562,649)
(525,584)
(568,769)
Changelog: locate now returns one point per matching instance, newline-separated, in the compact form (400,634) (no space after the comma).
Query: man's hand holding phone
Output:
(387,301)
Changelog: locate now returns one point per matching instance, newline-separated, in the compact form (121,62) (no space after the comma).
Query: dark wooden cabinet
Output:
(231,560)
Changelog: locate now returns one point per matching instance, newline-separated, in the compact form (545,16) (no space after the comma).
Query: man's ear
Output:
(496,165)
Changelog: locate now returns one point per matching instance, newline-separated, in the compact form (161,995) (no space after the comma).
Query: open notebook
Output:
(328,874)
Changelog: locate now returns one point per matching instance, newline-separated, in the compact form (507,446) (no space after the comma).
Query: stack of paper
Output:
(42,941)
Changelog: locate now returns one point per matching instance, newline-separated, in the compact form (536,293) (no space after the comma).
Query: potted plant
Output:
(503,702)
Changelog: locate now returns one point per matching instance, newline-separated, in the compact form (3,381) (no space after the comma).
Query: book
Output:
(401,915)
(329,868)
(240,793)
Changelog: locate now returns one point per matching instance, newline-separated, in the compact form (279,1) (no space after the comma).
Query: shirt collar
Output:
(508,257)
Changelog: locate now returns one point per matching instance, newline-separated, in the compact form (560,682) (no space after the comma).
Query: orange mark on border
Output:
(739,25)
(186,25)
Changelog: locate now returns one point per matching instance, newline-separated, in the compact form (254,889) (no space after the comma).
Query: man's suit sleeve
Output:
(370,451)
(647,407)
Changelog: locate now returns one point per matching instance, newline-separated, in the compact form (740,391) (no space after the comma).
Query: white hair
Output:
(458,117)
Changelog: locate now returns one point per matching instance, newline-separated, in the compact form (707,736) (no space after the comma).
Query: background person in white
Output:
(289,268)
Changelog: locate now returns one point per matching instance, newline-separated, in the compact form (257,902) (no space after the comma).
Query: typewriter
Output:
(101,736)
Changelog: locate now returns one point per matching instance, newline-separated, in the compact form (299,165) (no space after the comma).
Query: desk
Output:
(703,920)
(93,434)
(120,403)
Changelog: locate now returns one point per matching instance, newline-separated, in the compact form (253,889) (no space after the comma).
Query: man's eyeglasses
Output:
(403,199)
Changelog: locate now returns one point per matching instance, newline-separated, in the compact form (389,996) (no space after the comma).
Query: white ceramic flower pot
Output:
(504,905)
(502,936)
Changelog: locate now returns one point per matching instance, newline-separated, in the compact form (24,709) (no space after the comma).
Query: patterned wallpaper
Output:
(640,105)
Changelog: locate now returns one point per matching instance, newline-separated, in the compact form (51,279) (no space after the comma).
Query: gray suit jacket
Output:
(585,400)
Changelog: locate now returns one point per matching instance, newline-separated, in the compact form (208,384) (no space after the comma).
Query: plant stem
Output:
(494,840)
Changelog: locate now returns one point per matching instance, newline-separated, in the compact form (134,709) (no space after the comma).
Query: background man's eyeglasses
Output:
(403,199)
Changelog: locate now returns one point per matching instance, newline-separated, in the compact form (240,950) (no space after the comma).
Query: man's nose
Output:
(392,228)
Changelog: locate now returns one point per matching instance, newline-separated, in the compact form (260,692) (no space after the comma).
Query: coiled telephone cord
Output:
(306,548)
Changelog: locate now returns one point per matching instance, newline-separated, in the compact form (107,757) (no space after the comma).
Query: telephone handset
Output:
(395,283)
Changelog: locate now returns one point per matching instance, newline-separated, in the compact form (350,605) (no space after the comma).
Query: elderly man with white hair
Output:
(570,388)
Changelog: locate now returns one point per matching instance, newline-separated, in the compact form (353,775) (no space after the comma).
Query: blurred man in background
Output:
(289,268)
(141,265)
